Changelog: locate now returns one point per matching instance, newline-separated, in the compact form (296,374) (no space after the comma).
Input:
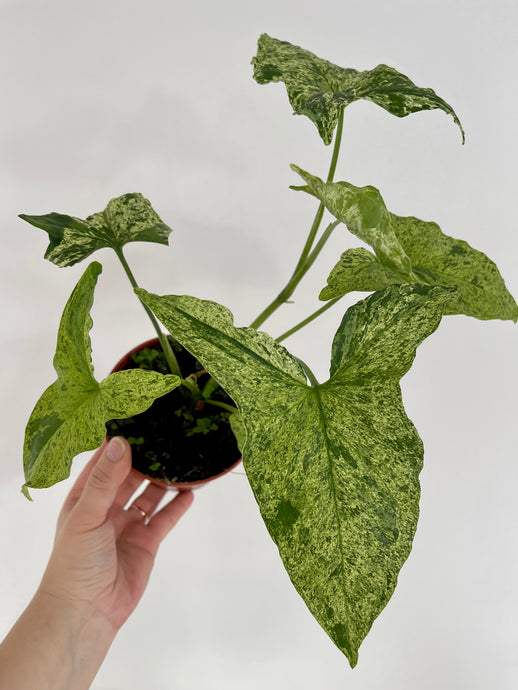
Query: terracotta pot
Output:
(177,486)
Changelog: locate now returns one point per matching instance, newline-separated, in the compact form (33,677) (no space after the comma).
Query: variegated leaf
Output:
(359,270)
(319,89)
(128,218)
(69,417)
(238,429)
(334,467)
(408,250)
(366,216)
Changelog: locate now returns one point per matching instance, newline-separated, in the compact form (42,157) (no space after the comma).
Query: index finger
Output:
(77,489)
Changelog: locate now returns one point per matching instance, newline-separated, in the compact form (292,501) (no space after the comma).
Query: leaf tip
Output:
(302,188)
(96,268)
(353,660)
(25,492)
(463,133)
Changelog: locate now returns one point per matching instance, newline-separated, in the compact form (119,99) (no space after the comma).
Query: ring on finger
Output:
(142,512)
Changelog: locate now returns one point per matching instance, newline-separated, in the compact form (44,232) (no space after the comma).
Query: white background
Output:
(102,98)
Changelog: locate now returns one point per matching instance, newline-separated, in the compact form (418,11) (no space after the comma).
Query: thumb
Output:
(103,483)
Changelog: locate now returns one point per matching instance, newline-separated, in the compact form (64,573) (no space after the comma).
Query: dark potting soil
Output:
(175,439)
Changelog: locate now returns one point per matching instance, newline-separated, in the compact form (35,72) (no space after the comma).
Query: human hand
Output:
(97,572)
(103,555)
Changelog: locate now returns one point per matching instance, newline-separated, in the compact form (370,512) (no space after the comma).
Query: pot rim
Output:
(166,484)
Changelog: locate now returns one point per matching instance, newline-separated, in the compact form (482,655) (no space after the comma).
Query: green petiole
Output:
(172,362)
(306,259)
(307,320)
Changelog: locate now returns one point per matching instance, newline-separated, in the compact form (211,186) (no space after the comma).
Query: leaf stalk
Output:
(308,319)
(302,266)
(172,362)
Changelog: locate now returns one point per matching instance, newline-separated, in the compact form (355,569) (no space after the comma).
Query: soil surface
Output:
(176,440)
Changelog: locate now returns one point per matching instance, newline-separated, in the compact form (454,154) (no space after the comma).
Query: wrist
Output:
(67,643)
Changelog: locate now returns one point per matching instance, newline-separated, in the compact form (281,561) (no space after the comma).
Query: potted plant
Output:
(334,465)
(185,438)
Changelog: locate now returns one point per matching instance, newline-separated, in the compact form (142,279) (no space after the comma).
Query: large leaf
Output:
(70,415)
(407,250)
(319,89)
(128,218)
(334,467)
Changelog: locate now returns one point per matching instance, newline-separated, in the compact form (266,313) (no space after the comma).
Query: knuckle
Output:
(100,478)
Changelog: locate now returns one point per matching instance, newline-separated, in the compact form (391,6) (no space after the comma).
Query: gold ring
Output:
(142,513)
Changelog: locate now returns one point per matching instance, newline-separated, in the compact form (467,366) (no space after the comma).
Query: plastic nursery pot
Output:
(177,444)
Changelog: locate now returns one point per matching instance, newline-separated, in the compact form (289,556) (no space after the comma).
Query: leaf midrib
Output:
(275,372)
(323,427)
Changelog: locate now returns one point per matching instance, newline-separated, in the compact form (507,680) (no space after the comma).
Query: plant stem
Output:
(310,318)
(336,148)
(310,260)
(311,237)
(311,376)
(172,362)
(302,267)
(223,405)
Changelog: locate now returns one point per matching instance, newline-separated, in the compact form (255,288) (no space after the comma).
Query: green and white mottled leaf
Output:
(319,89)
(358,269)
(128,218)
(408,250)
(238,429)
(69,417)
(334,467)
(366,216)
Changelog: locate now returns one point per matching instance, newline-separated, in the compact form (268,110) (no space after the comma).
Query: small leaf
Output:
(360,270)
(128,218)
(363,211)
(408,250)
(334,467)
(319,89)
(70,416)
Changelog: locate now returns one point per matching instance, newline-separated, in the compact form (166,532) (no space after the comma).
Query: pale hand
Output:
(96,575)
(103,555)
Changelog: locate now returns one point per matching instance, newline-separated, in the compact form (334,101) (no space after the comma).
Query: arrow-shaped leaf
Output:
(128,218)
(334,467)
(319,89)
(363,211)
(408,250)
(69,417)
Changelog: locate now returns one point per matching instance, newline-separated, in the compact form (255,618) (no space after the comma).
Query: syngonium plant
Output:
(334,465)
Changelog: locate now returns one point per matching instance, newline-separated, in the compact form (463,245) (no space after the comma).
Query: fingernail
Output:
(115,449)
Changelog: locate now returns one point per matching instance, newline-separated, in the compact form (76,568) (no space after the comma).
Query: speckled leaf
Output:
(366,216)
(319,89)
(358,269)
(334,467)
(433,258)
(238,429)
(128,218)
(69,417)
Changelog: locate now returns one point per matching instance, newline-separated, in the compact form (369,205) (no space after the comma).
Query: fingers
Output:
(76,491)
(128,488)
(149,499)
(133,481)
(163,522)
(102,483)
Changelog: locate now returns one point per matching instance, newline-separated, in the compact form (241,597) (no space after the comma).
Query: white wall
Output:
(104,97)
